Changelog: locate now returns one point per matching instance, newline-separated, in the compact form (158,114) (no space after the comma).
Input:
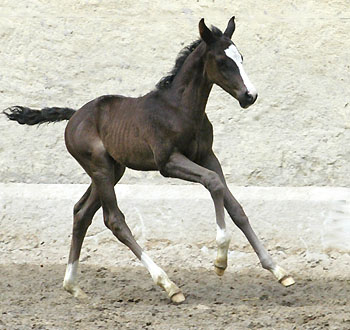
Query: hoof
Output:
(287,281)
(76,292)
(178,298)
(282,276)
(219,271)
(80,294)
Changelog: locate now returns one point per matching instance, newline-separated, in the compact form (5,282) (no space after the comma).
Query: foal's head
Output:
(224,64)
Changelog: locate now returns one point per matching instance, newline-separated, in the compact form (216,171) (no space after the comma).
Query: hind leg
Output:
(84,210)
(82,200)
(102,176)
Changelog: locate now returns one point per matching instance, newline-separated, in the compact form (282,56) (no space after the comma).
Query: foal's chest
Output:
(200,144)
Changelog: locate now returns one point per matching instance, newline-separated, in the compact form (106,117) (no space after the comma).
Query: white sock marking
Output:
(159,276)
(235,56)
(156,272)
(223,242)
(222,236)
(71,273)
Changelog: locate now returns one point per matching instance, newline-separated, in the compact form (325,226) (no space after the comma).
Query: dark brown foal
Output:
(166,130)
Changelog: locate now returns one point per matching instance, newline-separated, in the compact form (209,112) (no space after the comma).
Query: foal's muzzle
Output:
(247,99)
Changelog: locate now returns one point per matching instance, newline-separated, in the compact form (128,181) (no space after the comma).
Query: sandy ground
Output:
(176,226)
(124,298)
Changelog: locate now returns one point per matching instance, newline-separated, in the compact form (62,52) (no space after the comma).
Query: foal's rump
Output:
(116,121)
(116,124)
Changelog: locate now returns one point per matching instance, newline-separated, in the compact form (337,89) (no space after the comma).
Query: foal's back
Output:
(114,123)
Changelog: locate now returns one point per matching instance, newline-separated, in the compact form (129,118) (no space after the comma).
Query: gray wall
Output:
(65,53)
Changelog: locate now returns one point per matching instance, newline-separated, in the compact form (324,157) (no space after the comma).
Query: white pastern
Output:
(223,242)
(159,276)
(70,281)
(70,276)
(236,57)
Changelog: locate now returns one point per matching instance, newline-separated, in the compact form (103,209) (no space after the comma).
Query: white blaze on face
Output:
(236,57)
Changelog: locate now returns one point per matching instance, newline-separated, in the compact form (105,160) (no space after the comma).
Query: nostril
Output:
(249,96)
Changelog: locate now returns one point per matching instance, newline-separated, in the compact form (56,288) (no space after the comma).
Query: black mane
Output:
(166,81)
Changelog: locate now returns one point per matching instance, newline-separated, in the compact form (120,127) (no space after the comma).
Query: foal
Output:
(166,130)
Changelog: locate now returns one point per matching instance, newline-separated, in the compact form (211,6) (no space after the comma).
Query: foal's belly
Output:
(136,155)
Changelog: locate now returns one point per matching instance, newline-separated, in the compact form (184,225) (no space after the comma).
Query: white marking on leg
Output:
(236,57)
(70,281)
(222,236)
(223,242)
(70,276)
(159,276)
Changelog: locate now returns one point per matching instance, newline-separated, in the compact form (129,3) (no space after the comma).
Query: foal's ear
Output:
(205,33)
(231,26)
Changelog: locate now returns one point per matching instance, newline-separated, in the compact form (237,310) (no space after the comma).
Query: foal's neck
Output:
(191,86)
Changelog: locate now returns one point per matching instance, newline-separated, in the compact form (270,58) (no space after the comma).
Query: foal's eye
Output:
(222,63)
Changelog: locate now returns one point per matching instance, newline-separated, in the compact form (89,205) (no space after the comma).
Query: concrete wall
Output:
(313,221)
(65,53)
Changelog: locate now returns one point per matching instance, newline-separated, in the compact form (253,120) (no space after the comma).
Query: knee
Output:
(214,184)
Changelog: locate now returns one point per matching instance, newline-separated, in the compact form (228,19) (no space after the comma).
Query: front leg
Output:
(178,166)
(238,216)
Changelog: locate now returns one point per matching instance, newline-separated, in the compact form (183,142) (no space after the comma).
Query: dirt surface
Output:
(124,297)
(301,227)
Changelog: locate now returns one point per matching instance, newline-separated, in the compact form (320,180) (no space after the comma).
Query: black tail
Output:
(27,116)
